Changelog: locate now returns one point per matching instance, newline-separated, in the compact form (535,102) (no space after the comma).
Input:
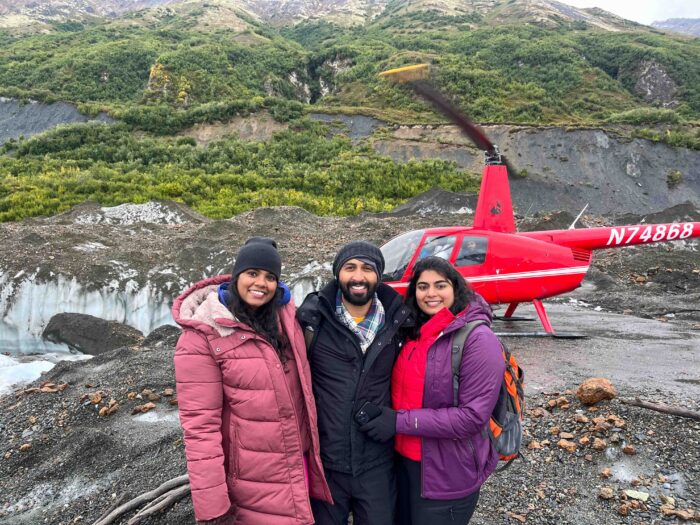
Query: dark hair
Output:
(463,294)
(263,320)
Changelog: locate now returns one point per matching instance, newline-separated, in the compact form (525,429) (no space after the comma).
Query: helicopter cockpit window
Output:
(398,252)
(438,246)
(473,251)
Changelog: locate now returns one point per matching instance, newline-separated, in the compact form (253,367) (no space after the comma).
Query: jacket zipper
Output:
(476,459)
(329,314)
(422,458)
(299,429)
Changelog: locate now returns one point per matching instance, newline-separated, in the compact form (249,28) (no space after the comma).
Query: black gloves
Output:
(383,427)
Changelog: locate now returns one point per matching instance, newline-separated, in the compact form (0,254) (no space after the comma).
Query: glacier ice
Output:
(27,305)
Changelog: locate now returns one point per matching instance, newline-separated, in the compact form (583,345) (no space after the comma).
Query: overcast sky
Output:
(644,11)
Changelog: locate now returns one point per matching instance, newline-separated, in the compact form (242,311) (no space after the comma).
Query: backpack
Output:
(505,428)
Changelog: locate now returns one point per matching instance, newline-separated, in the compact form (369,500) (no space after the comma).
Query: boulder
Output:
(595,389)
(655,85)
(88,334)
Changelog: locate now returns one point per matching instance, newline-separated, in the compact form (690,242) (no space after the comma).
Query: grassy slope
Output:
(204,72)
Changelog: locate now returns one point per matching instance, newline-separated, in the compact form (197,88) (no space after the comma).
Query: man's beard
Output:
(355,299)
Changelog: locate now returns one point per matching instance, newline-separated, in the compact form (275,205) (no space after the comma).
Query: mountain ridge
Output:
(686,26)
(21,13)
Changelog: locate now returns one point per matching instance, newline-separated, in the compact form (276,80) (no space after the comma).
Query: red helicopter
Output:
(503,265)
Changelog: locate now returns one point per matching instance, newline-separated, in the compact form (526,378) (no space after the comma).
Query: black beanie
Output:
(259,253)
(362,250)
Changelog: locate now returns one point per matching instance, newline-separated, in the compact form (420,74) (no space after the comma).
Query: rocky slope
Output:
(686,26)
(129,262)
(24,120)
(342,12)
(572,167)
(85,437)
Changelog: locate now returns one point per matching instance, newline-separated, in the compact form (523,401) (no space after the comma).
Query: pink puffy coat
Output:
(241,416)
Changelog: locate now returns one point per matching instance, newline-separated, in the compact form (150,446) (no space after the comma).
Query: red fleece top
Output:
(408,377)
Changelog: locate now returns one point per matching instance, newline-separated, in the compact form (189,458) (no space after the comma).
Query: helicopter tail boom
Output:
(618,236)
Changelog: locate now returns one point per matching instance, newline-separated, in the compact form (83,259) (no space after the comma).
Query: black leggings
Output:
(413,509)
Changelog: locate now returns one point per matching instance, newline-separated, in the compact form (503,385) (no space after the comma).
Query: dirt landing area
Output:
(63,463)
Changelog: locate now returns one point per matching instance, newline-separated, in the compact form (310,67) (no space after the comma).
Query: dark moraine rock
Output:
(90,335)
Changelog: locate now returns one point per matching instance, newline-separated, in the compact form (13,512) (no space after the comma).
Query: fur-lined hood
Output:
(201,307)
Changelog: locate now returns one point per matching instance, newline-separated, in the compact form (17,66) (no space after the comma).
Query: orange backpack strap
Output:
(458,340)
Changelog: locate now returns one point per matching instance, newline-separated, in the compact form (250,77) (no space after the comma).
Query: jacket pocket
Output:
(233,469)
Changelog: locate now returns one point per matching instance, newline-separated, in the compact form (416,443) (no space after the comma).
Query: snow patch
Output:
(158,417)
(18,371)
(89,247)
(49,494)
(126,214)
(14,373)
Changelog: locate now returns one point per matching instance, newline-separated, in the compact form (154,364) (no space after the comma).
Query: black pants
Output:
(371,497)
(413,509)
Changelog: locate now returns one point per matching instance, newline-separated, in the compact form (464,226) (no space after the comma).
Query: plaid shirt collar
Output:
(368,328)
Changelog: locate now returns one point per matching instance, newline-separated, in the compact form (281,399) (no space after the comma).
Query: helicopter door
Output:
(472,252)
(470,262)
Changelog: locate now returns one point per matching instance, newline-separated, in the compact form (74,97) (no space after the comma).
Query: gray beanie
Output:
(363,250)
(259,253)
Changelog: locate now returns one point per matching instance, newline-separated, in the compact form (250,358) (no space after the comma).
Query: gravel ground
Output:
(64,463)
(554,486)
(61,462)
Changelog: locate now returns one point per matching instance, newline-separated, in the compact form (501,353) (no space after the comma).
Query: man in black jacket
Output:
(352,328)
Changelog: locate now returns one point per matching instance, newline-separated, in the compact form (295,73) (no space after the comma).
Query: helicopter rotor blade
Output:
(415,77)
(448,109)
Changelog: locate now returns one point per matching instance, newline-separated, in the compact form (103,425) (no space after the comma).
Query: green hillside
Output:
(503,73)
(299,167)
(508,73)
(163,71)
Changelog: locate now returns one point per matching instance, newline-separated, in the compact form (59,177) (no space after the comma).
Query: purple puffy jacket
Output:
(456,457)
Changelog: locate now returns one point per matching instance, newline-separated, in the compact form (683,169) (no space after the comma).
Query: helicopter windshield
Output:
(398,252)
(438,246)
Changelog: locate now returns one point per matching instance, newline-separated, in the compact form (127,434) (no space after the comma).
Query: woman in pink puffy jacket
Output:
(244,391)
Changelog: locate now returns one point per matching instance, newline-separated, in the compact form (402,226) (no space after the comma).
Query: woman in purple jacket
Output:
(444,454)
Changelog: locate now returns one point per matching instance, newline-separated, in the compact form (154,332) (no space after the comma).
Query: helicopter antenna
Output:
(573,224)
(415,77)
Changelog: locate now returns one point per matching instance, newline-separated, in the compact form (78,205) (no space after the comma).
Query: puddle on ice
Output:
(624,471)
(626,468)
